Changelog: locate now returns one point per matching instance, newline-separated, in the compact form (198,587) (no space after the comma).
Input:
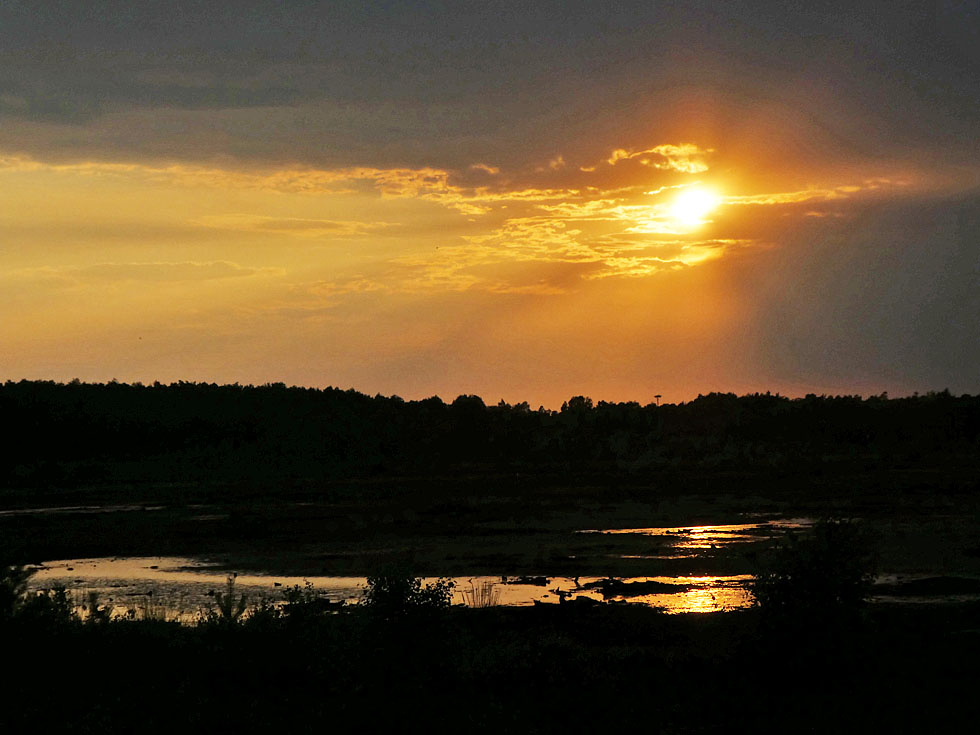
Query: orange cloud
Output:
(615,231)
(843,191)
(685,158)
(295,226)
(141,271)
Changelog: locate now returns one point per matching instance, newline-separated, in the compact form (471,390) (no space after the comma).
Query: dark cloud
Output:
(455,83)
(890,296)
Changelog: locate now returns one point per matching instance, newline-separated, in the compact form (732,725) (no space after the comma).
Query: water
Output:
(702,538)
(181,588)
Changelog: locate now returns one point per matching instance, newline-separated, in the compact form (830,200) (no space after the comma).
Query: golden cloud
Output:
(843,191)
(295,226)
(685,158)
(147,271)
(608,232)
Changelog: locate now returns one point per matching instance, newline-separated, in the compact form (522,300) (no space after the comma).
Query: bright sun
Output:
(691,206)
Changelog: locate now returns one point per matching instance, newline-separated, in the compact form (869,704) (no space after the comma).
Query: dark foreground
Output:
(549,669)
(332,482)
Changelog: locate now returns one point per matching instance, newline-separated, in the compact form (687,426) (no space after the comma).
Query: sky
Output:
(524,201)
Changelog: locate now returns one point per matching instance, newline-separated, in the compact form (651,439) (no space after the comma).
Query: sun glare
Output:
(691,206)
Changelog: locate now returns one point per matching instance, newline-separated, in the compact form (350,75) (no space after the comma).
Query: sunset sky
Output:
(526,201)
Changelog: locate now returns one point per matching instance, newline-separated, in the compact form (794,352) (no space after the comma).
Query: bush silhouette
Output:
(13,589)
(49,608)
(393,594)
(824,574)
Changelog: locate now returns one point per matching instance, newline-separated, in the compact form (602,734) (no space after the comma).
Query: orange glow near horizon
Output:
(407,281)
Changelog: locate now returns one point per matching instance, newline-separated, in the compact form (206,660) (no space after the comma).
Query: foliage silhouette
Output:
(305,604)
(825,574)
(393,593)
(481,595)
(53,608)
(227,609)
(81,434)
(13,589)
(533,670)
(97,614)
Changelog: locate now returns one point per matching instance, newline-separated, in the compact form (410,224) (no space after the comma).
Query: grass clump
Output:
(228,607)
(482,595)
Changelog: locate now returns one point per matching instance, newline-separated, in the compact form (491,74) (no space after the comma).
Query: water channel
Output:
(183,588)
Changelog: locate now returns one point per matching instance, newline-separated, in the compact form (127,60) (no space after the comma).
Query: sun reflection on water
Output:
(705,594)
(712,536)
(129,582)
(180,588)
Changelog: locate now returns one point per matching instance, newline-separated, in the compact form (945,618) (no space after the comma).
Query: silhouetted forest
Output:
(77,433)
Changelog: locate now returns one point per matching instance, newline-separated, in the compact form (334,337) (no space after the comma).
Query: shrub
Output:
(54,606)
(826,573)
(13,589)
(48,607)
(398,594)
(304,603)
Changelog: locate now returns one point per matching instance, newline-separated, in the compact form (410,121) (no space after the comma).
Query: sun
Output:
(692,205)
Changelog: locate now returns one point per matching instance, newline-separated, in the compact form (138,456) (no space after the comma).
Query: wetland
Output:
(691,568)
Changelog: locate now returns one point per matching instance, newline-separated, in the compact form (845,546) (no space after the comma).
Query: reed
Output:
(153,608)
(484,594)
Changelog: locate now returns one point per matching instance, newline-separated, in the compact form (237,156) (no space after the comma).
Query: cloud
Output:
(77,105)
(351,84)
(426,183)
(684,158)
(181,271)
(151,272)
(843,191)
(294,226)
(620,231)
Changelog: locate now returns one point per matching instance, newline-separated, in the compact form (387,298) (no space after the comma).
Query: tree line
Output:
(82,433)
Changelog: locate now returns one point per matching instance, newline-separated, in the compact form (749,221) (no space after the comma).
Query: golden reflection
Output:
(700,600)
(693,537)
(179,588)
(710,537)
(706,594)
